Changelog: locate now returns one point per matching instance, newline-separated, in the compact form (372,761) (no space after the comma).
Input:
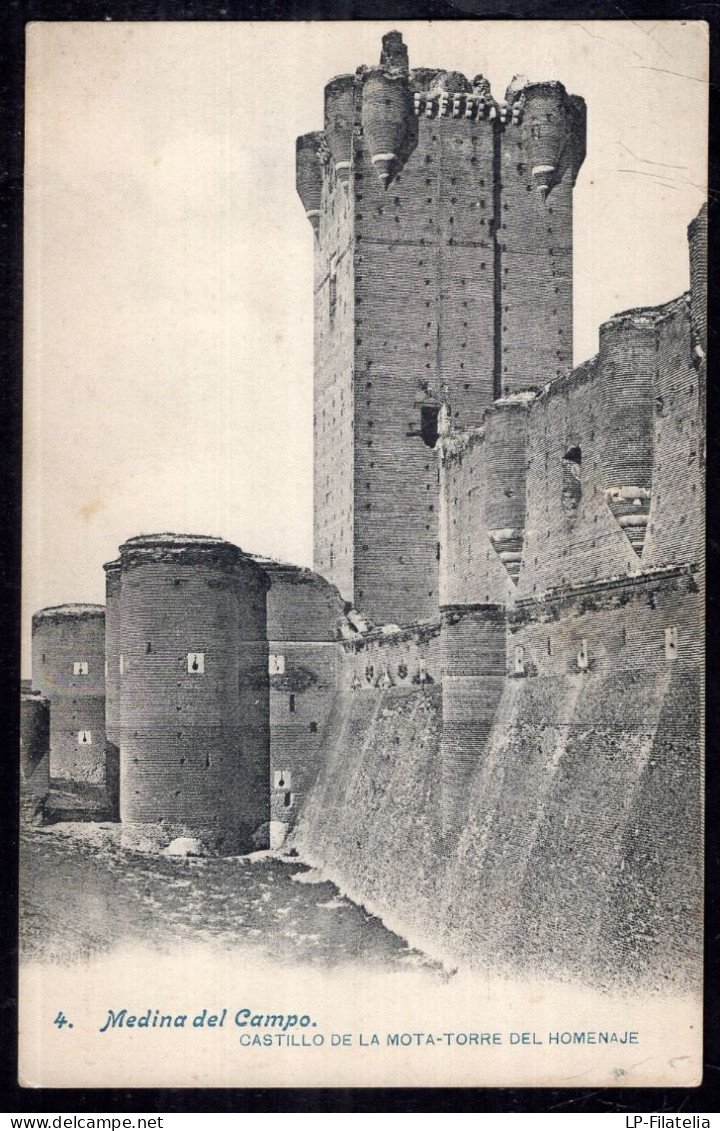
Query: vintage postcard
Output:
(363,554)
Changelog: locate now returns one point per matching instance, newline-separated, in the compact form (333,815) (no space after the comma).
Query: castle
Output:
(481,713)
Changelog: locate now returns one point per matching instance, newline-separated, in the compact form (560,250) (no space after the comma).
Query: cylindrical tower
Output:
(34,752)
(339,121)
(68,664)
(309,175)
(387,119)
(553,130)
(194,715)
(505,437)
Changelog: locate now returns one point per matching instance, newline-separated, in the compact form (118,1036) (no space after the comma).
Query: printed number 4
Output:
(61,1020)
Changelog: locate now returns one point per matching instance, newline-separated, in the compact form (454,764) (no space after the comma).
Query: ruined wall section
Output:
(304,614)
(68,668)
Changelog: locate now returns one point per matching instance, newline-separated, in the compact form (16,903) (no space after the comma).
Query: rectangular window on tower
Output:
(81,667)
(196,662)
(84,738)
(671,643)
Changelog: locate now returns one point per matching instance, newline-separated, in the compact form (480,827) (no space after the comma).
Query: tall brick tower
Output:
(442,221)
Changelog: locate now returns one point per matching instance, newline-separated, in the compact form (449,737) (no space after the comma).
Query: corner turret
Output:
(309,175)
(339,121)
(553,130)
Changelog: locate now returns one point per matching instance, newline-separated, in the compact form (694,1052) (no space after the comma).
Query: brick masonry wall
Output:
(579,853)
(301,701)
(407,659)
(470,570)
(373,820)
(535,272)
(301,605)
(584,543)
(473,647)
(333,476)
(454,262)
(62,638)
(195,745)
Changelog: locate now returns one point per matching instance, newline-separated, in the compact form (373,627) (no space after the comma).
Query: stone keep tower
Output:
(442,222)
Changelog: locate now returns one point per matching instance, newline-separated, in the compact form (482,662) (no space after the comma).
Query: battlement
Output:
(381,103)
(76,611)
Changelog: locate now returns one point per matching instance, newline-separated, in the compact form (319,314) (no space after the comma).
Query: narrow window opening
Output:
(332,289)
(519,660)
(313,727)
(292,704)
(429,430)
(207,762)
(148,648)
(288,800)
(582,656)
(571,485)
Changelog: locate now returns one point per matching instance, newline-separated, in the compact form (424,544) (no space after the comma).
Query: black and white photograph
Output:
(363,569)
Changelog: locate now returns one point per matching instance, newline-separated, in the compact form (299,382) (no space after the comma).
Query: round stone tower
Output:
(68,666)
(194,713)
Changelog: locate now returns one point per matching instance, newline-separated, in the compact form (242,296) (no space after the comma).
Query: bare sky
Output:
(168,368)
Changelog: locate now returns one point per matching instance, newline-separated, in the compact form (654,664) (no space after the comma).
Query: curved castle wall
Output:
(194,732)
(68,664)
